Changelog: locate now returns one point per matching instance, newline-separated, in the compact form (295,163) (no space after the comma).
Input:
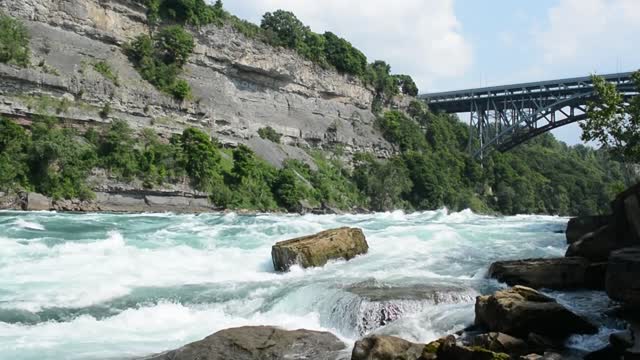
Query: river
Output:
(107,286)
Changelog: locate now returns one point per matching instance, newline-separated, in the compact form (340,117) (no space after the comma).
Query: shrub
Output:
(407,85)
(14,41)
(59,164)
(159,60)
(268,133)
(341,54)
(400,130)
(103,68)
(14,146)
(201,160)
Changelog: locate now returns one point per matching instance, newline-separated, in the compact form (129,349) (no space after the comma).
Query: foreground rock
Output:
(501,343)
(559,273)
(580,226)
(520,311)
(393,348)
(386,347)
(315,250)
(259,343)
(623,277)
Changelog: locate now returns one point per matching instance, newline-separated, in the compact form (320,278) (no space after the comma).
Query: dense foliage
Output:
(14,41)
(543,176)
(614,121)
(159,59)
(433,169)
(193,12)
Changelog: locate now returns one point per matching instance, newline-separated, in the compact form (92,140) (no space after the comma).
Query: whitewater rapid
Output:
(106,286)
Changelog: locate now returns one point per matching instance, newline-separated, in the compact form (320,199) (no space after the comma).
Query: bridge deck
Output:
(527,95)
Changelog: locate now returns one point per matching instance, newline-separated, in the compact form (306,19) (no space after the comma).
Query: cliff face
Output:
(239,85)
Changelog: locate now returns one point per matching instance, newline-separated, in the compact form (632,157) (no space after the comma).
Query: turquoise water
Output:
(104,286)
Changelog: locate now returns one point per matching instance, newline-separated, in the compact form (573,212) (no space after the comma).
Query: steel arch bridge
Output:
(502,117)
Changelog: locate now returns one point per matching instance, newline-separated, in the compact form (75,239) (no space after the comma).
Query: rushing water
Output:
(104,286)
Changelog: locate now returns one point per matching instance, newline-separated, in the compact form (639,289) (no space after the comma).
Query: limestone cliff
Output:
(239,84)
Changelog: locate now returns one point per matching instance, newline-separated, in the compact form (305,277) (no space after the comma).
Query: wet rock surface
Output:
(375,305)
(520,311)
(558,273)
(386,347)
(260,343)
(623,277)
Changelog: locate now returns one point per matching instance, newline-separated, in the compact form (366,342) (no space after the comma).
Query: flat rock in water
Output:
(520,310)
(559,273)
(376,305)
(259,343)
(316,250)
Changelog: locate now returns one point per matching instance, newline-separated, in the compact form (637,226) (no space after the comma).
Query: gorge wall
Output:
(240,85)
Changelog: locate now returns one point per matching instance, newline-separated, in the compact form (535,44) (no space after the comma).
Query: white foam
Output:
(28,225)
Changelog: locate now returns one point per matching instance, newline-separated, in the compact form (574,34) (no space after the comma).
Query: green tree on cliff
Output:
(614,121)
(14,41)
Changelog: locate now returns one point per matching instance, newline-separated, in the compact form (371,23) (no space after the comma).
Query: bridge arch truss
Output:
(503,117)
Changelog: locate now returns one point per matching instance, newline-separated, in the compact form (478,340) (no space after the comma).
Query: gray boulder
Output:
(559,273)
(579,226)
(520,310)
(259,343)
(316,250)
(596,245)
(37,202)
(622,279)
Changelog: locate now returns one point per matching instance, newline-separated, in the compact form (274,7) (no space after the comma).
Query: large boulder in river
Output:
(520,310)
(558,273)
(597,245)
(37,202)
(316,250)
(259,343)
(623,276)
(386,348)
(580,226)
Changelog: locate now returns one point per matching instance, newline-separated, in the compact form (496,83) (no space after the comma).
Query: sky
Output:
(459,44)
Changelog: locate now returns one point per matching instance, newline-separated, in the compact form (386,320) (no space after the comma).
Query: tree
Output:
(341,54)
(202,160)
(117,151)
(14,41)
(14,146)
(174,44)
(285,28)
(614,122)
(407,85)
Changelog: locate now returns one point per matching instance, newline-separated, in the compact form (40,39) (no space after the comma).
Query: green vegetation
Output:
(613,121)
(192,12)
(14,41)
(159,59)
(103,68)
(268,133)
(433,169)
